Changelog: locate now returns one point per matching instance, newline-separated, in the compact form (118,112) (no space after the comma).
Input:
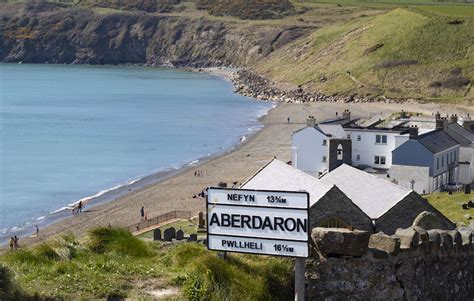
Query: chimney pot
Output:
(413,133)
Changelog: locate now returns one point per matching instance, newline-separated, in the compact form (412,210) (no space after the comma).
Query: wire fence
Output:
(159,219)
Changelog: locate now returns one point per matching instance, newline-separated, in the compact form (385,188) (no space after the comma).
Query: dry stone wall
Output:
(412,264)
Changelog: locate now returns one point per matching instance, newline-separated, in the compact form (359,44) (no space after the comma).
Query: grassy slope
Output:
(450,205)
(112,263)
(407,34)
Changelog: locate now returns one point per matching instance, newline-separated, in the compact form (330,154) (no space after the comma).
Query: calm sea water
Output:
(68,132)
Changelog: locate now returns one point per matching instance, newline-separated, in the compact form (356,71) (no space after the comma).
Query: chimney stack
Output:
(346,114)
(311,121)
(467,122)
(453,118)
(413,132)
(440,121)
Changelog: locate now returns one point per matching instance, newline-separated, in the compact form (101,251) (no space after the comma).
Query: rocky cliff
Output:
(39,33)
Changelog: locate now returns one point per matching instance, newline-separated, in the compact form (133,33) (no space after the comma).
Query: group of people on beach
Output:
(14,242)
(200,173)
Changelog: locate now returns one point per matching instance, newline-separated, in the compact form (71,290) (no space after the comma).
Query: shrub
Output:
(103,240)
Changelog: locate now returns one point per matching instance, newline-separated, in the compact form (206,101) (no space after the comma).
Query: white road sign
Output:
(258,221)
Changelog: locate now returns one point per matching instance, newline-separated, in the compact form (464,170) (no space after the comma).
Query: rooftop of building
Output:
(437,141)
(375,196)
(278,175)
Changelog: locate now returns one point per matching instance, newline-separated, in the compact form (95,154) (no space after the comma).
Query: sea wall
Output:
(413,264)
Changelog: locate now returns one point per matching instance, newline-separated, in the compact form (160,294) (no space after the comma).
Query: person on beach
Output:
(288,120)
(142,212)
(37,231)
(15,242)
(79,207)
(12,243)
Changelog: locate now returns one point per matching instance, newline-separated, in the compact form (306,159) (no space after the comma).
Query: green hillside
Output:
(403,53)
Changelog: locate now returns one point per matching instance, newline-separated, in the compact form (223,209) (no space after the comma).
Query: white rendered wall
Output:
(405,174)
(367,148)
(466,165)
(308,151)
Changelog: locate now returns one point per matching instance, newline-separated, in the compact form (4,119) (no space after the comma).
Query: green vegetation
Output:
(451,206)
(111,263)
(399,54)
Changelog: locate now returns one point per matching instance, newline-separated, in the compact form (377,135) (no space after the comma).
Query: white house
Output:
(311,151)
(372,146)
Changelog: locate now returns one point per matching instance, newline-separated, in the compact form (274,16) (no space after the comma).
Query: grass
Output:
(339,53)
(105,267)
(450,11)
(450,205)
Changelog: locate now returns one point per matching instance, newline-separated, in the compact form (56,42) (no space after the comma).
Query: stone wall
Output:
(335,204)
(405,212)
(413,264)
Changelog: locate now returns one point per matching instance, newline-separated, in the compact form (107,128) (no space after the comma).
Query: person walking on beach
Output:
(12,243)
(79,207)
(288,120)
(37,231)
(142,212)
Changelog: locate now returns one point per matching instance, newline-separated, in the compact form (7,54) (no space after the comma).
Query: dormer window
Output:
(325,142)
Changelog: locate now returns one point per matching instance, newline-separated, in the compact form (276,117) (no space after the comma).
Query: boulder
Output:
(384,242)
(409,238)
(338,241)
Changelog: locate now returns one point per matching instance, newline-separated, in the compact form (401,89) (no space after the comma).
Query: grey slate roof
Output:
(437,141)
(460,134)
(375,196)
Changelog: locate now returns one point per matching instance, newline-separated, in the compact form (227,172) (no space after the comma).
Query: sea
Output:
(71,132)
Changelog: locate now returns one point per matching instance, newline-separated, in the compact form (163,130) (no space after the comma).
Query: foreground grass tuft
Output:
(112,264)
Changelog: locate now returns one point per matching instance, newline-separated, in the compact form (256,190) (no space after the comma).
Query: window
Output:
(451,155)
(382,160)
(376,160)
(348,136)
(442,161)
(325,142)
(381,139)
(447,159)
(324,158)
(359,138)
(437,163)
(358,157)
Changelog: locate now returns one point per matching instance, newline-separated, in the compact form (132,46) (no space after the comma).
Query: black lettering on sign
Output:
(256,222)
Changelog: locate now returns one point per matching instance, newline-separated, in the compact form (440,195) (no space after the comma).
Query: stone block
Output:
(435,241)
(338,241)
(466,235)
(446,241)
(377,253)
(409,238)
(457,239)
(157,234)
(384,242)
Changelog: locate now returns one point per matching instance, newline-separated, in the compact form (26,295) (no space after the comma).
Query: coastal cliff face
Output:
(60,34)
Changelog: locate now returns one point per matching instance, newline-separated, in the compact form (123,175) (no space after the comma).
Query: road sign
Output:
(258,221)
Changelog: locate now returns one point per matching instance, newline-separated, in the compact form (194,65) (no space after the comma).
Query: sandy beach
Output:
(176,192)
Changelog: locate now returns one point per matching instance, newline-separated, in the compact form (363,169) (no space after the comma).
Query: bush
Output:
(103,240)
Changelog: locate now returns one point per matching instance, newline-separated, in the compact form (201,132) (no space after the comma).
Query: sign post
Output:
(261,222)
